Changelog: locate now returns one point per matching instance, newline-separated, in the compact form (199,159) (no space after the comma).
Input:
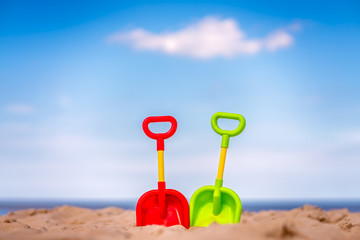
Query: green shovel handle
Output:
(226,134)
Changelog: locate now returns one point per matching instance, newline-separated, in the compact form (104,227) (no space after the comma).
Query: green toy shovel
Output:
(217,203)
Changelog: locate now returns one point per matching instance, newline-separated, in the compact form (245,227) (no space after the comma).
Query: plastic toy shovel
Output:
(216,203)
(162,206)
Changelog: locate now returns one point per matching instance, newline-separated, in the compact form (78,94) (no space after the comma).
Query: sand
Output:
(67,222)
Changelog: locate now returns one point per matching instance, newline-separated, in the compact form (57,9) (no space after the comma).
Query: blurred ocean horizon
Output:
(252,205)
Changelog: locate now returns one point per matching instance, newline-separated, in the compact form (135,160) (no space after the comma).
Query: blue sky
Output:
(77,80)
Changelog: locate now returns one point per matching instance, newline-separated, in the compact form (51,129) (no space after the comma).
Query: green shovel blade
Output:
(214,204)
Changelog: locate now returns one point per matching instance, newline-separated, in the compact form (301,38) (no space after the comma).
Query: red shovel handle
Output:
(160,136)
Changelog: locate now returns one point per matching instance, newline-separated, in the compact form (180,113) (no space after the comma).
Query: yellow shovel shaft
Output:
(220,173)
(161,166)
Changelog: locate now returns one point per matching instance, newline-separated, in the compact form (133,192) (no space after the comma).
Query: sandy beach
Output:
(67,222)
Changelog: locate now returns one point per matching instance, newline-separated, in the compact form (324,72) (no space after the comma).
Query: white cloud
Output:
(207,38)
(22,109)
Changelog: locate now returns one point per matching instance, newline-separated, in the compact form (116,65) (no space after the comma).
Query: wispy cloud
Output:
(22,109)
(65,101)
(208,38)
(277,40)
(14,127)
(88,161)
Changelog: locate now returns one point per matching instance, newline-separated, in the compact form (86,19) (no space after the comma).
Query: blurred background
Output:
(77,78)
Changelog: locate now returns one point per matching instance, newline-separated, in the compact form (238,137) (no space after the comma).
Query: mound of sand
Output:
(68,222)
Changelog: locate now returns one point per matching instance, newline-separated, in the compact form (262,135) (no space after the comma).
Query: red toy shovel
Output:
(162,206)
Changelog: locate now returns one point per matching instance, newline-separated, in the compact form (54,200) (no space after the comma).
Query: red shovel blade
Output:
(162,206)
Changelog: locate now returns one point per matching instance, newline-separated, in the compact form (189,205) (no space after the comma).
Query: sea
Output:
(253,205)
